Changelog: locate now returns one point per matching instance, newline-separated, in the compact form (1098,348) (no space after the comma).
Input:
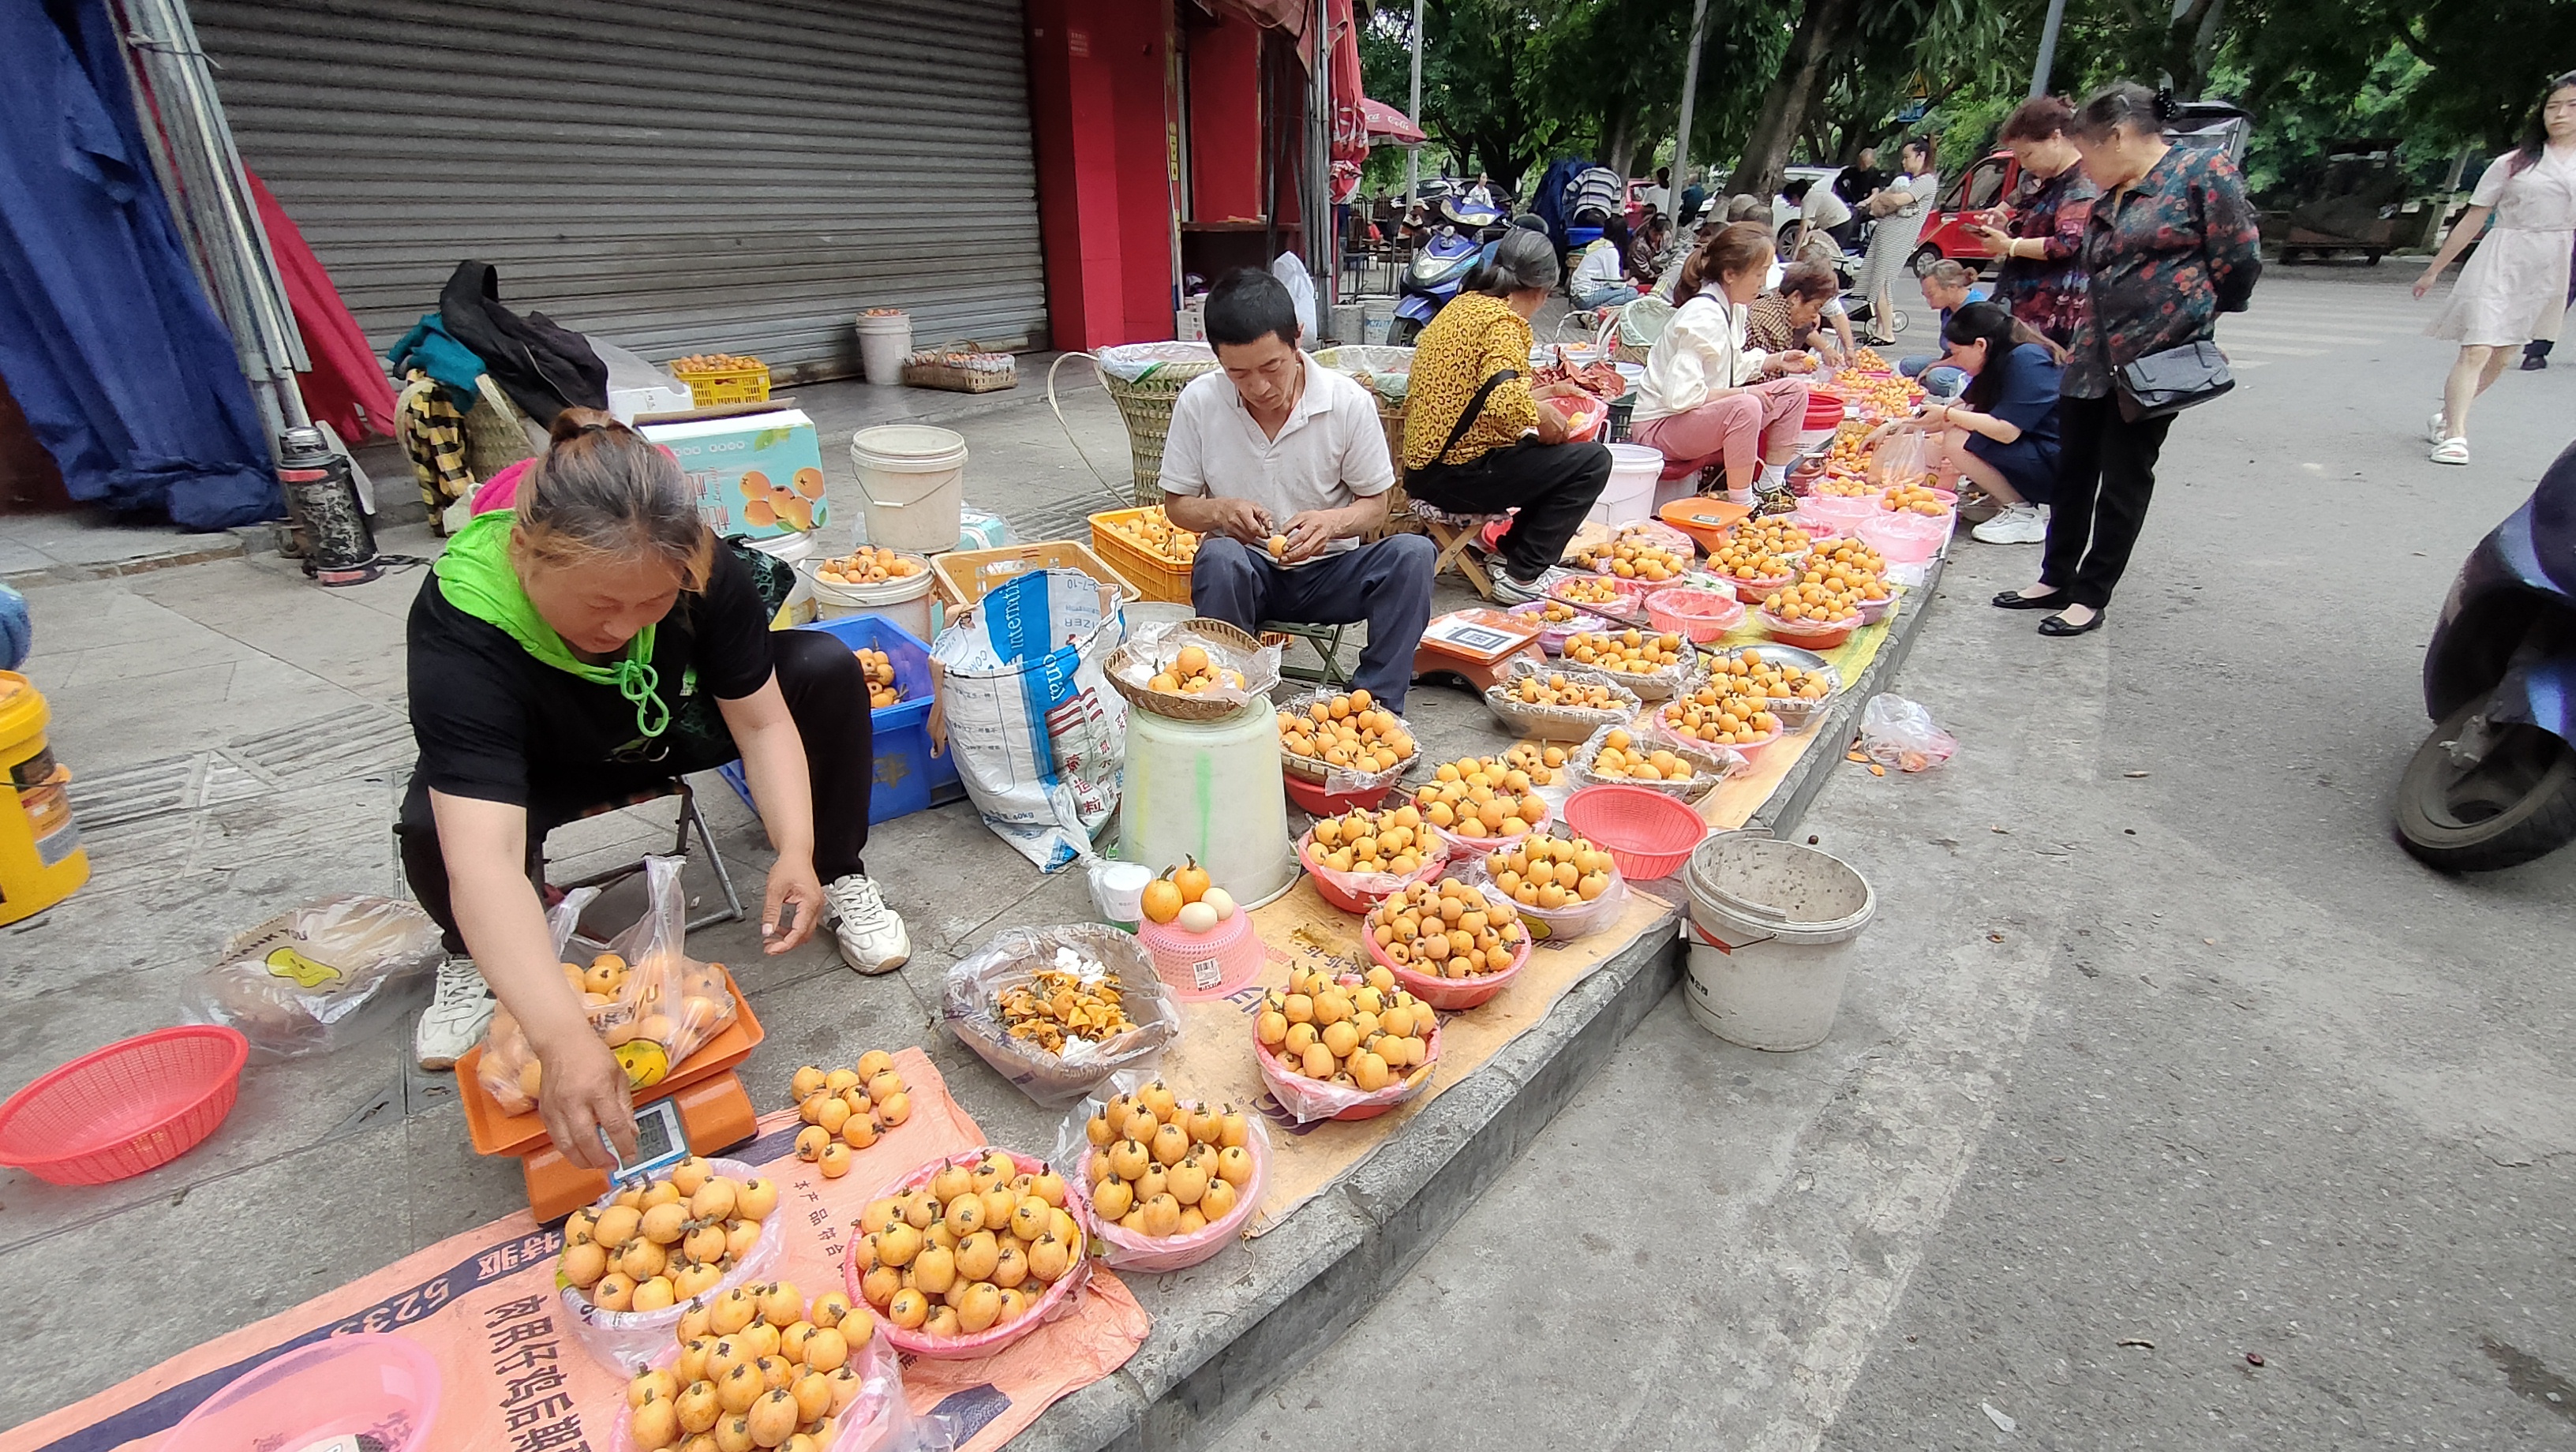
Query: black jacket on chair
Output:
(544,368)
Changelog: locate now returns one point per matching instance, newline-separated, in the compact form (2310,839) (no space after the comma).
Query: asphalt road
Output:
(2164,1060)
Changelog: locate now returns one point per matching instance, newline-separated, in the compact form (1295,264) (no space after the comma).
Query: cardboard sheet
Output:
(1214,1057)
(484,1305)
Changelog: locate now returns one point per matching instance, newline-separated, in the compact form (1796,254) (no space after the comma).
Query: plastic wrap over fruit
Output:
(326,974)
(1039,1005)
(1090,1166)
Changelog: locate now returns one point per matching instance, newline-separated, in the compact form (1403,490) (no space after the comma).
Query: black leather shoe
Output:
(2057,625)
(2016,600)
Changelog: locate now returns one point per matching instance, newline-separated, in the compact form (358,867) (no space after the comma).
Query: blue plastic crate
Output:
(908,777)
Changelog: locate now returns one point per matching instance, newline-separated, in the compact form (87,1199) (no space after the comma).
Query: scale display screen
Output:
(660,1143)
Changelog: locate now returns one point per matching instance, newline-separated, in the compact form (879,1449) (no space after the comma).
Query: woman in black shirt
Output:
(571,654)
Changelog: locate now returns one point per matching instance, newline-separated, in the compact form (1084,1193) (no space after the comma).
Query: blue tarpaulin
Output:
(107,341)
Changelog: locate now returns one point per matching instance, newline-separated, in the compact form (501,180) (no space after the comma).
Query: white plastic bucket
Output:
(792,550)
(906,602)
(912,478)
(885,340)
(1211,791)
(1771,935)
(1630,494)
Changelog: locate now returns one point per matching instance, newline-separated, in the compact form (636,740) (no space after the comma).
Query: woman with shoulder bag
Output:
(2170,245)
(1478,439)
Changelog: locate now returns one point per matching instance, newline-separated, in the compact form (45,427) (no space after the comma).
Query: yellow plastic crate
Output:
(729,385)
(965,576)
(1156,576)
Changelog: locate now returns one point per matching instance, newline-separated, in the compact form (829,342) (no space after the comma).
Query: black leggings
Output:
(2106,473)
(826,693)
(1552,485)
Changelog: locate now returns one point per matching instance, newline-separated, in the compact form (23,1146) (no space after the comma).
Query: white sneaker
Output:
(1508,591)
(872,937)
(456,1017)
(2017,524)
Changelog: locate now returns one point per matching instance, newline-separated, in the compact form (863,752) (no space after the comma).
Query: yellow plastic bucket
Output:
(41,857)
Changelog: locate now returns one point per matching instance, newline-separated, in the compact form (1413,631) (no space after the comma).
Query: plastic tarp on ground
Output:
(106,338)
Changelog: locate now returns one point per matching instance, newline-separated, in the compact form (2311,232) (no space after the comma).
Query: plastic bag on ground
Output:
(1130,1250)
(1022,699)
(1012,959)
(323,975)
(1901,733)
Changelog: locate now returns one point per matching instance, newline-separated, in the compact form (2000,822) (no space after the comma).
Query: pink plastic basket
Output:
(126,1108)
(1203,965)
(1804,634)
(1308,1100)
(372,1382)
(1906,539)
(1357,892)
(1699,615)
(1648,834)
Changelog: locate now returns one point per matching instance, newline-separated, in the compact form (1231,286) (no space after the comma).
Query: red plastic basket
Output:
(1649,835)
(126,1108)
(1314,801)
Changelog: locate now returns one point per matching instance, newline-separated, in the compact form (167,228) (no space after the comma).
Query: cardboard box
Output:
(1189,325)
(757,475)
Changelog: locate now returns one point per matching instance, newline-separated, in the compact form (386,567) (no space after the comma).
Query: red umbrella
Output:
(1387,124)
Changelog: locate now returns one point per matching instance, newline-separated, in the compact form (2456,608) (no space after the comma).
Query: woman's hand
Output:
(2432,274)
(1551,422)
(581,1091)
(1998,243)
(792,883)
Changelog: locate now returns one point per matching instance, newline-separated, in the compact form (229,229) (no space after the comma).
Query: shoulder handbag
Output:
(1467,415)
(2173,379)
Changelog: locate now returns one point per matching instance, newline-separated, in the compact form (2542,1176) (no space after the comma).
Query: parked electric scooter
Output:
(1464,238)
(2495,784)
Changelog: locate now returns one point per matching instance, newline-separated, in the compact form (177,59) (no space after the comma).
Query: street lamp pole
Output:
(2047,47)
(1413,153)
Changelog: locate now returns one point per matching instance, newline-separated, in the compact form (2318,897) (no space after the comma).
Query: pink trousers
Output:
(1738,426)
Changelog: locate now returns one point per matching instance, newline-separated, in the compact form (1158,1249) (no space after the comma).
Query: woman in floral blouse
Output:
(2042,277)
(2170,246)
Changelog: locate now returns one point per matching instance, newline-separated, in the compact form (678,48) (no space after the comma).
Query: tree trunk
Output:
(1619,137)
(2191,43)
(1786,101)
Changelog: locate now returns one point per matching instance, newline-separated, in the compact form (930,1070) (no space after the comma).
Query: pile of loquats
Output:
(972,1246)
(1361,1035)
(1347,730)
(653,1246)
(1193,671)
(757,1368)
(1481,797)
(1549,873)
(1446,930)
(1628,652)
(1160,1167)
(1393,841)
(845,1110)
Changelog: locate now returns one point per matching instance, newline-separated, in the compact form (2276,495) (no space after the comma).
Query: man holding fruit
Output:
(1281,465)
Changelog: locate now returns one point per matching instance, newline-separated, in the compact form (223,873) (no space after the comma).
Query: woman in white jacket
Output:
(1707,396)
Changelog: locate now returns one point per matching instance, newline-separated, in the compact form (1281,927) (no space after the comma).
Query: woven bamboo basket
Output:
(1145,402)
(1238,652)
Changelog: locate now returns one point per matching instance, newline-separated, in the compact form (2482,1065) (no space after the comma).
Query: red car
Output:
(1962,205)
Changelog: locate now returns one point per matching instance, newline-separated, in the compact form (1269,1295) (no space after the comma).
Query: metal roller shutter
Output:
(719,176)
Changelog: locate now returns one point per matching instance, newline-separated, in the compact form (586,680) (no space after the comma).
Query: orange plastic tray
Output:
(496,1133)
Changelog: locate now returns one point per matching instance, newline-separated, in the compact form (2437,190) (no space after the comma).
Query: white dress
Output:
(2514,288)
(1891,246)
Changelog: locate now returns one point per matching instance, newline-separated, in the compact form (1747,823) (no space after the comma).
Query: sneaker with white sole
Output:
(1508,591)
(871,935)
(456,1017)
(2451,451)
(2016,524)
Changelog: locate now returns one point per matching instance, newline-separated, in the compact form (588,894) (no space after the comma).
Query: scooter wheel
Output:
(1401,333)
(2517,803)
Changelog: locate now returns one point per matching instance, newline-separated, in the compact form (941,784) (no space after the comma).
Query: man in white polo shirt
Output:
(1282,465)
